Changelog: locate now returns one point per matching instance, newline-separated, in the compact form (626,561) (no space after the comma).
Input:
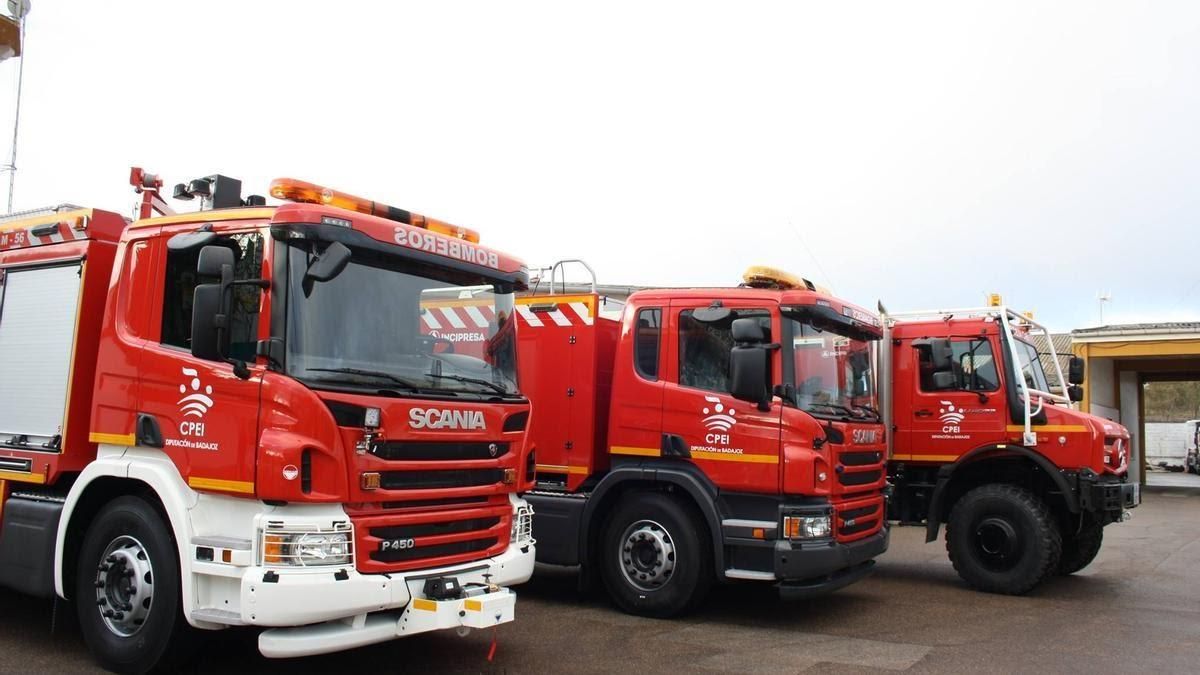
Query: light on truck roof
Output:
(761,276)
(301,191)
(994,300)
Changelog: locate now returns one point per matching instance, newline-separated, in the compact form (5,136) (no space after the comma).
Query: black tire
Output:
(1003,539)
(129,540)
(655,556)
(1081,545)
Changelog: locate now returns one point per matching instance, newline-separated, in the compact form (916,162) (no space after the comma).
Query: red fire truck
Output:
(1024,482)
(231,417)
(705,434)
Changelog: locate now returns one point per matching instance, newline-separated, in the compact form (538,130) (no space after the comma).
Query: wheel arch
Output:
(652,475)
(956,478)
(149,476)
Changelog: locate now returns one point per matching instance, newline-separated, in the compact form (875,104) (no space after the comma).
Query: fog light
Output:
(807,527)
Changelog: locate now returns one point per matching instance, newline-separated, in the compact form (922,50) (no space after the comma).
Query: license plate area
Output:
(478,609)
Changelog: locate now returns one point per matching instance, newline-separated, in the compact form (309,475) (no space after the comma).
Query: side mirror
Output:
(1075,393)
(211,305)
(748,373)
(944,379)
(213,262)
(1075,370)
(941,355)
(747,330)
(206,314)
(327,266)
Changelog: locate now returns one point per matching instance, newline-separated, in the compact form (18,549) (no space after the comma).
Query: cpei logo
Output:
(197,403)
(716,418)
(951,417)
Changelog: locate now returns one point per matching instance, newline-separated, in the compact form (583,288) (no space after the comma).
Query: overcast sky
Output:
(920,153)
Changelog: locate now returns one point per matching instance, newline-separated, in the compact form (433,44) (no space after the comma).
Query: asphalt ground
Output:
(1136,608)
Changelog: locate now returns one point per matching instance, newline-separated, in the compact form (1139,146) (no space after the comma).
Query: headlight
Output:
(307,549)
(807,527)
(522,527)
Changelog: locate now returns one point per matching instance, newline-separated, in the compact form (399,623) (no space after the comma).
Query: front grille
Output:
(859,512)
(859,477)
(426,503)
(859,518)
(429,480)
(438,550)
(860,458)
(427,529)
(438,452)
(400,541)
(858,526)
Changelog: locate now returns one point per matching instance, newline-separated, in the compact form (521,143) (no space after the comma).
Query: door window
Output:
(972,364)
(704,348)
(181,282)
(645,346)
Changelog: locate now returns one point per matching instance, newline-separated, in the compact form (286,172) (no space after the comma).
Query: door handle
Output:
(924,413)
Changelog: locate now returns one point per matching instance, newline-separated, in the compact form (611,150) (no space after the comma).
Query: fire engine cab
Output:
(705,434)
(232,417)
(1024,482)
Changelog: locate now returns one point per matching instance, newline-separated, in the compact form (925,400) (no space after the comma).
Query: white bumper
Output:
(365,609)
(299,597)
(315,610)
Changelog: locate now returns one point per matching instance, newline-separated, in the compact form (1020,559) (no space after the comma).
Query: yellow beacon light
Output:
(294,190)
(761,276)
(994,300)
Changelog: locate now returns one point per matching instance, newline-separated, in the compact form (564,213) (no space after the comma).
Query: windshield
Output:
(389,323)
(1031,367)
(832,373)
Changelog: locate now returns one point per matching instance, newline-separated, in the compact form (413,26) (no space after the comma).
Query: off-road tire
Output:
(1080,546)
(1003,539)
(683,544)
(163,640)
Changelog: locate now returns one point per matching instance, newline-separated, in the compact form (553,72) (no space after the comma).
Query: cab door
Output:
(736,444)
(207,416)
(957,403)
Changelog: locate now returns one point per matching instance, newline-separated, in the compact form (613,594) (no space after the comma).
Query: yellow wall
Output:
(1131,350)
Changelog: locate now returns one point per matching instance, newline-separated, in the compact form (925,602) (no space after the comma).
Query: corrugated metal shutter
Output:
(37,330)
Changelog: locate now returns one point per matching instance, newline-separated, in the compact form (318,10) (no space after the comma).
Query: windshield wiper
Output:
(838,407)
(370,373)
(473,380)
(863,406)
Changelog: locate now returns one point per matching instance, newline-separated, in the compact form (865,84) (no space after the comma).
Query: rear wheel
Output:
(1003,539)
(127,590)
(654,556)
(1081,546)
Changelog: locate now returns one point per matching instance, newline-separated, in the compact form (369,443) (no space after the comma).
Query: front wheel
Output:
(1081,546)
(127,592)
(1003,539)
(654,556)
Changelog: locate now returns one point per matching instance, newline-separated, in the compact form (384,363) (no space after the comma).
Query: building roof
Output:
(1166,328)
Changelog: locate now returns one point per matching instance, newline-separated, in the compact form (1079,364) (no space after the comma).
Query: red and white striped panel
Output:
(571,313)
(457,317)
(57,233)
